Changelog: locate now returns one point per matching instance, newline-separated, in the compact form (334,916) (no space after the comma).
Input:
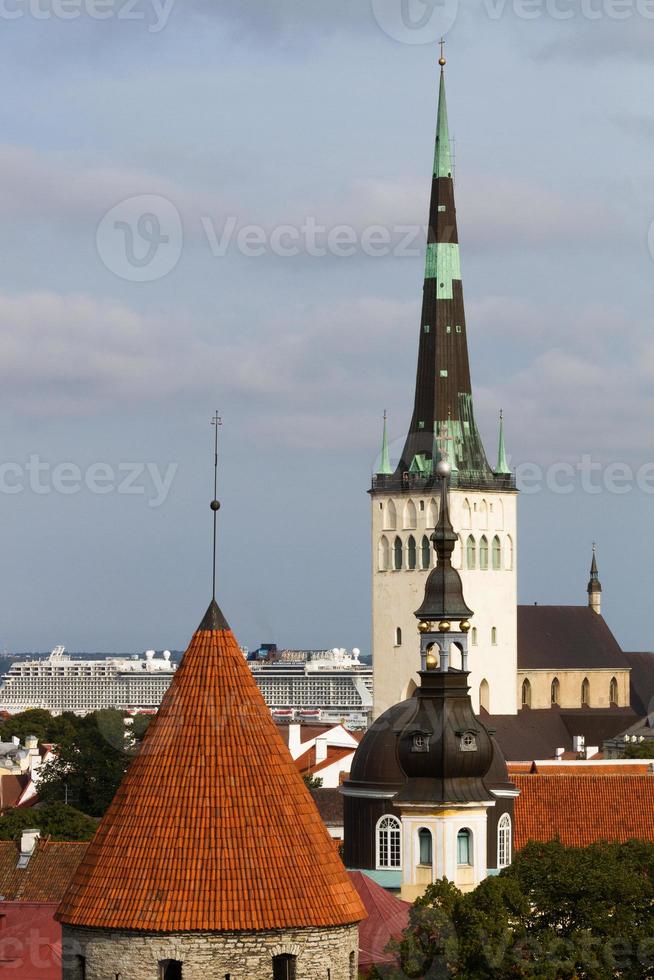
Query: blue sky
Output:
(274,114)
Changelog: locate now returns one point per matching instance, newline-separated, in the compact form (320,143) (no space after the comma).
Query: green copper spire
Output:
(502,464)
(385,468)
(442,156)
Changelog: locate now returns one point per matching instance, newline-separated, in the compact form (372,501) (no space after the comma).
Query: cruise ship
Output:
(297,685)
(314,685)
(59,683)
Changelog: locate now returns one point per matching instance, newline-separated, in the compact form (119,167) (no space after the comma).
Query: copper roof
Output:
(212,827)
(47,875)
(580,810)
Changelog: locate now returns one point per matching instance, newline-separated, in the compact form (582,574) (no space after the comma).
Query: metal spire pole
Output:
(215,504)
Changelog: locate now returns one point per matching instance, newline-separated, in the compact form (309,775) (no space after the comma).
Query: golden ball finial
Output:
(465,626)
(441,60)
(444,626)
(431,663)
(424,626)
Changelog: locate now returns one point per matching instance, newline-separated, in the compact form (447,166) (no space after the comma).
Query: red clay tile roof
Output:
(47,875)
(387,918)
(580,810)
(306,763)
(212,827)
(12,788)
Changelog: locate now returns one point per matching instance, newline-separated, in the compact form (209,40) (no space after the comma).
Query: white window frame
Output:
(387,846)
(504,841)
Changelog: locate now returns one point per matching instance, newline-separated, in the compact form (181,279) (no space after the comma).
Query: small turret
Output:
(594,587)
(502,468)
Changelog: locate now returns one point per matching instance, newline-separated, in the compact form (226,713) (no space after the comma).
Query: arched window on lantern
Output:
(425,846)
(484,695)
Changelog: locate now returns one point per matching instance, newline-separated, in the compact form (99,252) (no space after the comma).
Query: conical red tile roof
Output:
(212,827)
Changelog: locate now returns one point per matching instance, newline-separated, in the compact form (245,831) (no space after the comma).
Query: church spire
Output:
(385,468)
(502,467)
(443,393)
(594,586)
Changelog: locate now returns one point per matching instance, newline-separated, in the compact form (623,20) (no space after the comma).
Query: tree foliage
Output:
(558,913)
(56,820)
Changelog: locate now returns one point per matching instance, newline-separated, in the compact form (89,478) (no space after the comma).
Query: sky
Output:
(219,206)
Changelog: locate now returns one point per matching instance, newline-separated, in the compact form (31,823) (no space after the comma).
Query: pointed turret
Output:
(443,392)
(385,468)
(594,586)
(502,468)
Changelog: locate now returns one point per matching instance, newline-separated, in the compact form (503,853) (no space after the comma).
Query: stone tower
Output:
(212,860)
(404,495)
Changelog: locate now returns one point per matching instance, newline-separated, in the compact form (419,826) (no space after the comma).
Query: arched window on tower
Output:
(466,515)
(471,552)
(499,515)
(410,516)
(585,693)
(613,692)
(384,553)
(432,514)
(494,635)
(473,636)
(508,553)
(526,694)
(411,553)
(504,841)
(484,695)
(389,843)
(464,847)
(284,966)
(398,636)
(425,846)
(483,515)
(556,691)
(497,554)
(397,554)
(390,516)
(483,553)
(425,552)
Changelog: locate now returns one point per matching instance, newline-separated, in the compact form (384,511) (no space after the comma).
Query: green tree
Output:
(56,820)
(639,750)
(313,782)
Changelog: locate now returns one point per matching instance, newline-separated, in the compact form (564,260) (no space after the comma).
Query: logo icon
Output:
(140,239)
(415,21)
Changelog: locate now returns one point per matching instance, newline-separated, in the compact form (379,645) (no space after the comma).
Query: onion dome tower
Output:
(428,772)
(212,853)
(594,586)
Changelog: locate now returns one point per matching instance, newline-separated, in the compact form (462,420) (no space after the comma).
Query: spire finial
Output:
(594,585)
(385,468)
(503,468)
(441,61)
(215,503)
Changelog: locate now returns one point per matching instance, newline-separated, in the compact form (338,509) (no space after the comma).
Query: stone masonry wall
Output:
(205,956)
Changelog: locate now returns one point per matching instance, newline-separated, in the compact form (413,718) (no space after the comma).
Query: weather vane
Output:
(441,60)
(215,503)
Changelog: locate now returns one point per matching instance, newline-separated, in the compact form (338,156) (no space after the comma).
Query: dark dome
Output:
(375,761)
(498,774)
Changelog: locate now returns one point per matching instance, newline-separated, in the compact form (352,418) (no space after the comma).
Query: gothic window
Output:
(170,970)
(284,967)
(389,843)
(497,554)
(390,516)
(397,554)
(613,691)
(411,553)
(484,695)
(384,553)
(556,691)
(398,636)
(585,693)
(526,694)
(494,635)
(410,515)
(473,636)
(464,847)
(425,842)
(508,553)
(466,521)
(499,515)
(483,515)
(425,552)
(471,552)
(432,514)
(504,841)
(483,553)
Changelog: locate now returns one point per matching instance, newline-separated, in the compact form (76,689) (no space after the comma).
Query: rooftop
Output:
(47,875)
(566,638)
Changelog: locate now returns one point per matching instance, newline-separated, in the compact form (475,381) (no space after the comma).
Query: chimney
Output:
(559,753)
(578,743)
(28,842)
(15,740)
(321,749)
(294,740)
(31,742)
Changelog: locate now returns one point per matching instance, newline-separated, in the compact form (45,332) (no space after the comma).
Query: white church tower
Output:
(405,499)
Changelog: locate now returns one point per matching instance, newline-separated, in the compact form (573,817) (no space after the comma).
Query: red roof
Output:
(306,763)
(47,875)
(387,918)
(583,809)
(212,827)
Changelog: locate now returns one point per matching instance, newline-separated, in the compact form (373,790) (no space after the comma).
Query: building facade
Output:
(404,495)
